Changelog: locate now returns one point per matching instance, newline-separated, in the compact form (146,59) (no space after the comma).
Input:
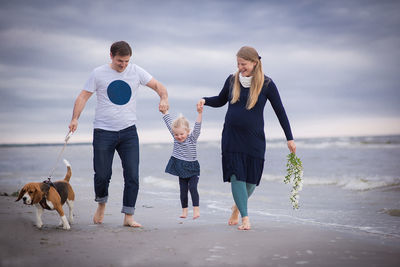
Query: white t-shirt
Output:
(116,95)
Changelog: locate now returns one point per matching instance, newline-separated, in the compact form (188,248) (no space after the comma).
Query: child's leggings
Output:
(241,191)
(189,184)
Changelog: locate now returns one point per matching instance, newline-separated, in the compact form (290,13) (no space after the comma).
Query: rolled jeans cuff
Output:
(128,210)
(101,199)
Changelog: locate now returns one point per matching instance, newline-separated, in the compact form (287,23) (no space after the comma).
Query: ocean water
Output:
(350,183)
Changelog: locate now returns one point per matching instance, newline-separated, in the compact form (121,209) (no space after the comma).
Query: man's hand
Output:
(73,125)
(163,106)
(79,105)
(162,92)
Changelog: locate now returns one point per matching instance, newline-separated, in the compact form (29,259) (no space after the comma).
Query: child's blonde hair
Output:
(181,122)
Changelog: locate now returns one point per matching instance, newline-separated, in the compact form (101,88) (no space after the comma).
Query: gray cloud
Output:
(329,59)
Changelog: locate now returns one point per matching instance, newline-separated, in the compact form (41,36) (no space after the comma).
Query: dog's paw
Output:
(39,225)
(66,226)
(65,223)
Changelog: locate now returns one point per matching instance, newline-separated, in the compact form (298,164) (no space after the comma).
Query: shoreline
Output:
(157,141)
(166,240)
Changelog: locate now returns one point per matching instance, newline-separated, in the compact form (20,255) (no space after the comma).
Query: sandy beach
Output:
(166,240)
(341,220)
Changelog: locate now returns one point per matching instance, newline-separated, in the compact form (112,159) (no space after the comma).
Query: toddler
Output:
(183,162)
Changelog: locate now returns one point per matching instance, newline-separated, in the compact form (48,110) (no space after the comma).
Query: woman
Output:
(243,138)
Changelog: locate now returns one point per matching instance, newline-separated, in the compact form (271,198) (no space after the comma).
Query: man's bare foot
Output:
(196,212)
(245,224)
(99,214)
(129,221)
(234,219)
(184,213)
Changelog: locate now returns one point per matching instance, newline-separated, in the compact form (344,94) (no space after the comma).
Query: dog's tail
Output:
(69,172)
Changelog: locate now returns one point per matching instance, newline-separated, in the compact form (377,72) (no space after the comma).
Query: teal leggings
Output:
(241,191)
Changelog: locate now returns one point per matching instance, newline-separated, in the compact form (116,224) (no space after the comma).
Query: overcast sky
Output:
(336,63)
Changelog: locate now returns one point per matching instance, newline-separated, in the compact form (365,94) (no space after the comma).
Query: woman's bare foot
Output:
(234,219)
(245,224)
(196,212)
(129,221)
(99,214)
(184,213)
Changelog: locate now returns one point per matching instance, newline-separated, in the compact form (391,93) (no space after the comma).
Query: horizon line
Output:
(89,142)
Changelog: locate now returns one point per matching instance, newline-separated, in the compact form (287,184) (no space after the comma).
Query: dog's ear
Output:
(21,193)
(37,194)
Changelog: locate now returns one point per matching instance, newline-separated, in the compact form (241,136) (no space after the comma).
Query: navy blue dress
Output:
(243,137)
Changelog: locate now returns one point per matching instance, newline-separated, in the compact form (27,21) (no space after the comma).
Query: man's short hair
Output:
(120,48)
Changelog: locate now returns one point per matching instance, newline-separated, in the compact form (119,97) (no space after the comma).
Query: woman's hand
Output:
(292,146)
(200,104)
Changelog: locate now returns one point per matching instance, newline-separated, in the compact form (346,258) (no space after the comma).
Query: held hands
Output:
(200,111)
(199,108)
(163,107)
(200,105)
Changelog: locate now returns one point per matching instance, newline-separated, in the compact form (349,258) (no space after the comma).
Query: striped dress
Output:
(183,162)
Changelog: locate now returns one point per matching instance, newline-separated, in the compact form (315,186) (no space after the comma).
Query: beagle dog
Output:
(51,196)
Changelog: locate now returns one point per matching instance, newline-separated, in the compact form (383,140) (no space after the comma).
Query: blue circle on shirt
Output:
(119,92)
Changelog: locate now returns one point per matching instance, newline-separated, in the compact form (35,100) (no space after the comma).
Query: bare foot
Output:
(196,212)
(129,221)
(184,213)
(99,214)
(234,219)
(245,224)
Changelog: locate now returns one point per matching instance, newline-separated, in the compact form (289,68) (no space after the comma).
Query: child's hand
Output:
(199,109)
(201,103)
(164,111)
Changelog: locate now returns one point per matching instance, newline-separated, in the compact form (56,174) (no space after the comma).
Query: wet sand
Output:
(166,240)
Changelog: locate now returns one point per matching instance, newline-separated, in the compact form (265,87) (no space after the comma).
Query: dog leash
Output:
(67,137)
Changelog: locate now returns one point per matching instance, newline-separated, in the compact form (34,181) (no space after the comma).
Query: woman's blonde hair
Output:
(181,122)
(257,82)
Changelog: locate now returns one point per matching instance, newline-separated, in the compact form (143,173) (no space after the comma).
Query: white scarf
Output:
(245,81)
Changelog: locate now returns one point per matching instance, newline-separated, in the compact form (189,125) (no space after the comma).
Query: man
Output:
(116,85)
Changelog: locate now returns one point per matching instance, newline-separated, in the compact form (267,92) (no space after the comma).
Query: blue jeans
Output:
(126,143)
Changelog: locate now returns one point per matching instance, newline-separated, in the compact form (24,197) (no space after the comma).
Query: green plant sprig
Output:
(294,175)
